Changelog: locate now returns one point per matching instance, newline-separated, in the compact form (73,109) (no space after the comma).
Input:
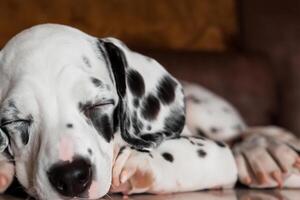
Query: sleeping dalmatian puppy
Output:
(81,116)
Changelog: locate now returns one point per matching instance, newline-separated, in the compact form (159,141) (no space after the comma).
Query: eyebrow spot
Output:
(96,82)
(168,157)
(86,61)
(90,151)
(69,125)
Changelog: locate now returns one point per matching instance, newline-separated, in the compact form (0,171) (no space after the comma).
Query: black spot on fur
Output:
(214,130)
(136,83)
(69,125)
(136,102)
(86,61)
(102,124)
(167,157)
(201,153)
(192,142)
(199,144)
(25,136)
(90,151)
(150,107)
(174,123)
(200,132)
(149,128)
(166,90)
(96,82)
(220,144)
(106,127)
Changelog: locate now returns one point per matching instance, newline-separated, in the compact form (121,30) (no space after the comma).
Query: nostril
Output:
(71,178)
(83,176)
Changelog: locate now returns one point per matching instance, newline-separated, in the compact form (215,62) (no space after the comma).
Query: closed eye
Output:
(90,108)
(9,122)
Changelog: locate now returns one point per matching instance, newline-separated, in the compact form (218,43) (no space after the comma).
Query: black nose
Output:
(71,178)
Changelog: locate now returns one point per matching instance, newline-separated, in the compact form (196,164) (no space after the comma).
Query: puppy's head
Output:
(63,99)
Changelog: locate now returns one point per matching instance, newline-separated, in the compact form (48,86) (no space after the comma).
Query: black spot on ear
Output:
(220,144)
(150,107)
(166,90)
(136,102)
(136,83)
(174,123)
(86,61)
(200,132)
(214,130)
(201,153)
(167,157)
(96,82)
(69,125)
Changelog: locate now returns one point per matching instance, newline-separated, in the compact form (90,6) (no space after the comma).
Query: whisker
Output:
(109,196)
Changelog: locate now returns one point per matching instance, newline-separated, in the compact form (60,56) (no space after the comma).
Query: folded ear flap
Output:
(151,106)
(3,141)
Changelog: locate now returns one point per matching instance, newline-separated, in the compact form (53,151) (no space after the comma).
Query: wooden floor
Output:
(211,195)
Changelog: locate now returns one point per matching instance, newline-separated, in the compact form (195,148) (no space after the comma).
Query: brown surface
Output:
(210,195)
(166,24)
(272,28)
(246,81)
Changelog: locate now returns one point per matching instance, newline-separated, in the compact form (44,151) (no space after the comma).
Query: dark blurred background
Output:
(244,50)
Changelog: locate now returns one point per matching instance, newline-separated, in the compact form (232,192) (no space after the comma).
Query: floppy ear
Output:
(151,107)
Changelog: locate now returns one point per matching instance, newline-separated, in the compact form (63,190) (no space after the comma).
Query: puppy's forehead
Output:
(46,49)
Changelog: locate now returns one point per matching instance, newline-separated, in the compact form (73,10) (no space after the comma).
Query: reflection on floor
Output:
(210,195)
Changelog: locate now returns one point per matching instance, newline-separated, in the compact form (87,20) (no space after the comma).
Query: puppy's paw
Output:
(132,172)
(269,157)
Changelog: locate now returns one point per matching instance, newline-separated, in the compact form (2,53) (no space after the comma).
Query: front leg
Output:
(177,165)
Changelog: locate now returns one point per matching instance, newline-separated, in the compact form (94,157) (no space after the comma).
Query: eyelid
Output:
(106,102)
(100,103)
(15,121)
